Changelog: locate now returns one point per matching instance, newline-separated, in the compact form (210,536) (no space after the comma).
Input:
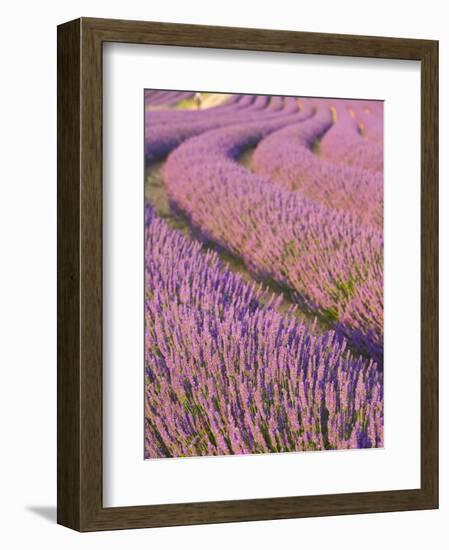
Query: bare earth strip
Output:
(245,158)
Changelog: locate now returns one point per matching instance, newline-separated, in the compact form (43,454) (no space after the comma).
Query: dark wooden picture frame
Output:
(80,271)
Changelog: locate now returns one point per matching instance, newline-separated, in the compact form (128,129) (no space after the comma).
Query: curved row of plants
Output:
(225,373)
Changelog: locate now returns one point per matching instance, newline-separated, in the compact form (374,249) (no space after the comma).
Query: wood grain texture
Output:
(80,274)
(69,407)
(429,271)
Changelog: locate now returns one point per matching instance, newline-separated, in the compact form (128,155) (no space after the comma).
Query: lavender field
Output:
(263,274)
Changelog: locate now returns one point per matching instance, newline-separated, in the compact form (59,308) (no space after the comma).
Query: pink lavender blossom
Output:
(225,374)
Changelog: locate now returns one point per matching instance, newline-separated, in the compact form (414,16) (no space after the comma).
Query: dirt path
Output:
(245,158)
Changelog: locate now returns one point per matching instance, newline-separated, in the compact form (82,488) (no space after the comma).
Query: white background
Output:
(28,275)
(129,480)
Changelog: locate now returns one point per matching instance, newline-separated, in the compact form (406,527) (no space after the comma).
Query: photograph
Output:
(264,274)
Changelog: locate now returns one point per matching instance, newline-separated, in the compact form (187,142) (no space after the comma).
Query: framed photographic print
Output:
(247,274)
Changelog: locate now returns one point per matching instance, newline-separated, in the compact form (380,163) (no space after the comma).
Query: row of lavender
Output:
(317,234)
(166,130)
(225,373)
(165,98)
(346,174)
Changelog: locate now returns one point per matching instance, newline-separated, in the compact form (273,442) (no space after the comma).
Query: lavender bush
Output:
(287,158)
